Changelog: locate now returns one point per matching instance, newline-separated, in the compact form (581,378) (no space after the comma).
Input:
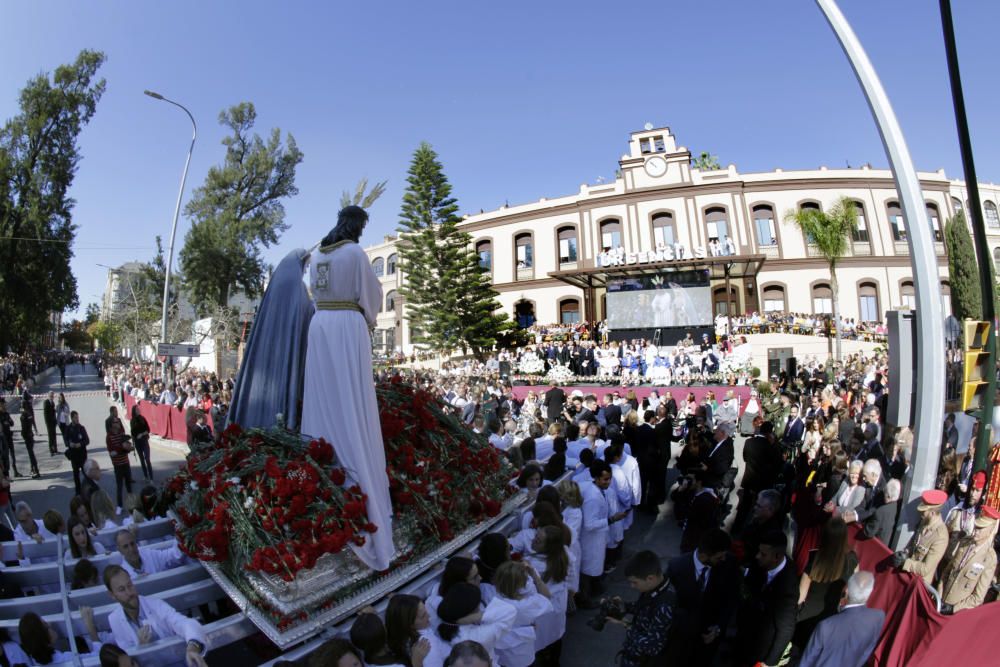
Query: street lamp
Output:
(173,228)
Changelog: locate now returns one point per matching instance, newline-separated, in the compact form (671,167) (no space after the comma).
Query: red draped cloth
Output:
(164,421)
(915,634)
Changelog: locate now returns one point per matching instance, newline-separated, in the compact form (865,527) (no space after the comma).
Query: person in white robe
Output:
(338,401)
(516,648)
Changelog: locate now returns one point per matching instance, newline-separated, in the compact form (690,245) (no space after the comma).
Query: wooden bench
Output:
(145,531)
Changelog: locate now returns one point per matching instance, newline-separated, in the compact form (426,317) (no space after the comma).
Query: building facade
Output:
(659,201)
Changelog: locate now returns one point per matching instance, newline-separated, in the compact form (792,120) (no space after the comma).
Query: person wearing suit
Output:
(49,413)
(795,428)
(847,638)
(703,581)
(874,481)
(719,457)
(554,403)
(770,603)
(762,457)
(612,413)
(702,513)
(880,525)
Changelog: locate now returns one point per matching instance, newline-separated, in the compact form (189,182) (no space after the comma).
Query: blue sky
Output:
(521,100)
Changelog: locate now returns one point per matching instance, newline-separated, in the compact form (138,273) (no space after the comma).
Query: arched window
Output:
(664,232)
(390,301)
(773,297)
(810,206)
(822,297)
(992,219)
(868,302)
(763,223)
(484,249)
(907,295)
(525,248)
(569,311)
(719,304)
(935,218)
(567,245)
(611,234)
(390,265)
(378,265)
(717,225)
(956,204)
(896,221)
(860,233)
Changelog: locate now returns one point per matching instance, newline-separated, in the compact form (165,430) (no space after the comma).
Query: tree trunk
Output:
(835,289)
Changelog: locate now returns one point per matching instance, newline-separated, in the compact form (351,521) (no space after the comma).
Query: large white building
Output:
(549,259)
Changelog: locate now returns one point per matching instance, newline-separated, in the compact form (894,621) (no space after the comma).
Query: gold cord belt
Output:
(338,305)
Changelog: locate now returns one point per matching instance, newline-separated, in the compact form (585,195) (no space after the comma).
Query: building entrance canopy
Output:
(719,268)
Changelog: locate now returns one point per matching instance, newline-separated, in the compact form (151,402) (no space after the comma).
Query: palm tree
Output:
(706,162)
(829,233)
(360,198)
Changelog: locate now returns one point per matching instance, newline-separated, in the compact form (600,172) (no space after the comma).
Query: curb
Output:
(172,445)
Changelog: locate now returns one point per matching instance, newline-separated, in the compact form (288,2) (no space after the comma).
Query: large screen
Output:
(674,299)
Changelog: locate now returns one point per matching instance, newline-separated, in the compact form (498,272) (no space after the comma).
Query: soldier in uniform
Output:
(927,546)
(972,563)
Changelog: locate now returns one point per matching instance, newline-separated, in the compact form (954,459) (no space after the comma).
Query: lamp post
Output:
(173,227)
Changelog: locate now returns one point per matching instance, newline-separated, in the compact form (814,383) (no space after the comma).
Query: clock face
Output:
(656,166)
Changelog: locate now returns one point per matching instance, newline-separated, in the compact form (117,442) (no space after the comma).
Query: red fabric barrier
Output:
(164,421)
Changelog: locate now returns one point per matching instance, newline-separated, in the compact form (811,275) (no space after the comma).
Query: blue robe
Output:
(270,379)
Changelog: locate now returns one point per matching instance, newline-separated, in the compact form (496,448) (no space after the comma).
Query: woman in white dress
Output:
(464,619)
(339,363)
(517,647)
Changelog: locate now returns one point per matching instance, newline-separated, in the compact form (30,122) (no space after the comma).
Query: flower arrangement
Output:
(560,374)
(531,365)
(271,503)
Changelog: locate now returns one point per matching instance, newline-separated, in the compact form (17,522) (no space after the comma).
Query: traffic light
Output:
(975,371)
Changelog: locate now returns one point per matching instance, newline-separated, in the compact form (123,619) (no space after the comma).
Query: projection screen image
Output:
(682,299)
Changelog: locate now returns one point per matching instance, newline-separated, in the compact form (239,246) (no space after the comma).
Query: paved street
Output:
(85,394)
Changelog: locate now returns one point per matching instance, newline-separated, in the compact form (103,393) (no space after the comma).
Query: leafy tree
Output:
(706,162)
(449,300)
(93,314)
(362,196)
(963,272)
(107,334)
(237,211)
(830,233)
(38,160)
(74,335)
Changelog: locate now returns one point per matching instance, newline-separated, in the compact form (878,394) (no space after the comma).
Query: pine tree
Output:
(963,273)
(449,301)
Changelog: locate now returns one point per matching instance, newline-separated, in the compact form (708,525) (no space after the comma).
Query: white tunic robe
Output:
(594,533)
(338,401)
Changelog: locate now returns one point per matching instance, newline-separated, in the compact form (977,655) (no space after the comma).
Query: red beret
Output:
(934,497)
(979,480)
(990,513)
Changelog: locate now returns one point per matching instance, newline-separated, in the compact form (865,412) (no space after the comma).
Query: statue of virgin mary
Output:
(338,401)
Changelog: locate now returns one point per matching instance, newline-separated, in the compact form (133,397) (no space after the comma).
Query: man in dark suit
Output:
(705,581)
(587,360)
(49,414)
(848,638)
(719,458)
(874,483)
(612,413)
(671,405)
(770,603)
(702,514)
(762,456)
(652,466)
(794,428)
(881,523)
(554,403)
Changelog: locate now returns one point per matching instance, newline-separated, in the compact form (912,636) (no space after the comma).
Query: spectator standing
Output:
(882,523)
(76,440)
(28,432)
(767,616)
(847,638)
(49,414)
(7,440)
(63,416)
(140,438)
(119,446)
(652,614)
(826,573)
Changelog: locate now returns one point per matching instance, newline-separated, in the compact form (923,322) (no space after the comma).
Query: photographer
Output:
(652,614)
(119,446)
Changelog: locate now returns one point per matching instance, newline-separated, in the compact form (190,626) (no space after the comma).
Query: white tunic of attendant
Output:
(630,467)
(498,619)
(619,500)
(573,518)
(339,361)
(164,620)
(573,450)
(99,550)
(551,626)
(603,444)
(544,448)
(594,532)
(155,560)
(516,648)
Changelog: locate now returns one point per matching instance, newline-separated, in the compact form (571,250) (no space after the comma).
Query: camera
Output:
(611,608)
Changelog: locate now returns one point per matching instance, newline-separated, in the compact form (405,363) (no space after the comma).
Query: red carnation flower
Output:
(338,477)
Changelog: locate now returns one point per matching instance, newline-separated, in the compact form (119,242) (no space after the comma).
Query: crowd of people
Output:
(806,324)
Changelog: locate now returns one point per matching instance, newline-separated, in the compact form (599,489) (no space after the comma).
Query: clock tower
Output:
(654,160)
